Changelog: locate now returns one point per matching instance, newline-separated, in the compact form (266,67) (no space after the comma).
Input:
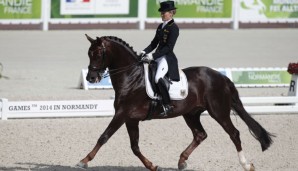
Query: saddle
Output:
(177,90)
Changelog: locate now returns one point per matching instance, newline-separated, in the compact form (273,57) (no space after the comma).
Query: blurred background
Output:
(142,14)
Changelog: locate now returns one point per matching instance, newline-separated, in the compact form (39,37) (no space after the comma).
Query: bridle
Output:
(102,72)
(99,70)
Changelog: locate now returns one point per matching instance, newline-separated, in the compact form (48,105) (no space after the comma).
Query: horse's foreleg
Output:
(114,125)
(199,134)
(133,132)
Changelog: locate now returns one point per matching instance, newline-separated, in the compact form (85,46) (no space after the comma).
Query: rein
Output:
(119,70)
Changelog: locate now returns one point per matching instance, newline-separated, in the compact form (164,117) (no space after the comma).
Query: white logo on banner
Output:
(92,7)
(16,7)
(252,10)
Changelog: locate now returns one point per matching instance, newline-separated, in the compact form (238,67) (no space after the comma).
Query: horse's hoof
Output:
(182,166)
(252,167)
(82,165)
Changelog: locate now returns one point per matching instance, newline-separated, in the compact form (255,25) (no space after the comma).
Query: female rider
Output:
(164,42)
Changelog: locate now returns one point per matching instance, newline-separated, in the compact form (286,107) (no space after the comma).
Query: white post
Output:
(46,10)
(235,14)
(83,79)
(3,109)
(293,86)
(142,13)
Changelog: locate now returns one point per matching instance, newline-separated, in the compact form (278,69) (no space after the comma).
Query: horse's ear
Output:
(98,40)
(89,38)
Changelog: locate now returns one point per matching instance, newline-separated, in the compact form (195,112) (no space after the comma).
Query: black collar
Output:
(168,24)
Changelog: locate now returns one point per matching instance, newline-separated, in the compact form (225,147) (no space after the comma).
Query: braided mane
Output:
(122,43)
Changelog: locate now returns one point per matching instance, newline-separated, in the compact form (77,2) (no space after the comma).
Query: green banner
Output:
(268,9)
(195,9)
(56,9)
(261,77)
(20,9)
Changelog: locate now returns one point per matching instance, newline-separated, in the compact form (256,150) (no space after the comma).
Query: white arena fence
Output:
(56,109)
(242,77)
(104,108)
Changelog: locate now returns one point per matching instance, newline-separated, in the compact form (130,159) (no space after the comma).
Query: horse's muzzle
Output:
(93,77)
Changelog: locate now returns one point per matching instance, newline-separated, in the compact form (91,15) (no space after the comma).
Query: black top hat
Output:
(167,6)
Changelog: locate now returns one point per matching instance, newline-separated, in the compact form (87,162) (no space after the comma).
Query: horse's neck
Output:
(119,63)
(121,58)
(127,84)
(126,76)
(123,66)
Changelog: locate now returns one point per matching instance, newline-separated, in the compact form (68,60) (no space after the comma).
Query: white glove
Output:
(142,53)
(147,58)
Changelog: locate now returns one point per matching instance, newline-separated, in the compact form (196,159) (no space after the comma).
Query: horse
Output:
(208,90)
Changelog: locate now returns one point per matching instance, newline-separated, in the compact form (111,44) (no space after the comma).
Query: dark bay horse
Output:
(208,90)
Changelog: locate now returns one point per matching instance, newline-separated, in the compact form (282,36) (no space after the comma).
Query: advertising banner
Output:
(21,9)
(69,108)
(268,9)
(75,7)
(195,8)
(261,77)
(94,8)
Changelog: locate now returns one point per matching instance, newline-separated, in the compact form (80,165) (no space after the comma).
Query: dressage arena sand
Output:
(46,66)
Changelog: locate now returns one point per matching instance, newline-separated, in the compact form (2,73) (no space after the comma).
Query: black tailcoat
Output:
(165,38)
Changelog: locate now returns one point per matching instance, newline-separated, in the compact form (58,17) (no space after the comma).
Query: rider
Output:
(167,63)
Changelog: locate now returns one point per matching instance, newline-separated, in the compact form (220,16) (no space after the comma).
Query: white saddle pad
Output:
(178,90)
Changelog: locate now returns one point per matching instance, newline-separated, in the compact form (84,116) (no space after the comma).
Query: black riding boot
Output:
(165,97)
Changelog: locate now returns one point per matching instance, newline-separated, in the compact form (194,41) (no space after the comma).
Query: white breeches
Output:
(162,68)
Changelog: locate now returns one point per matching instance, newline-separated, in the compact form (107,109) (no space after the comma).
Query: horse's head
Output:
(109,52)
(97,55)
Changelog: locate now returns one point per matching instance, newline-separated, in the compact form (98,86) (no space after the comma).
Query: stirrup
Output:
(167,109)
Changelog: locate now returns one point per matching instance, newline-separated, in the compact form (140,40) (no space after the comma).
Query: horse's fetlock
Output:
(183,157)
(89,157)
(151,167)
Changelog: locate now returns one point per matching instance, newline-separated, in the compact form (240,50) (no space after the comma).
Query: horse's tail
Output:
(257,131)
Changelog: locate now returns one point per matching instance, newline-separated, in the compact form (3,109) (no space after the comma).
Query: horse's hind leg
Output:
(133,132)
(199,134)
(235,137)
(222,116)
(114,125)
